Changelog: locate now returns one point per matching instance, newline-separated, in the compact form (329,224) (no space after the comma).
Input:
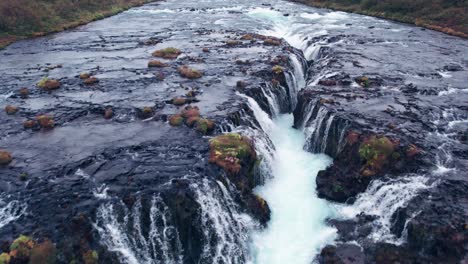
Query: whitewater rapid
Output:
(297,229)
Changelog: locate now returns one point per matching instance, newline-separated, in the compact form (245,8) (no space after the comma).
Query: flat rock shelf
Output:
(234,132)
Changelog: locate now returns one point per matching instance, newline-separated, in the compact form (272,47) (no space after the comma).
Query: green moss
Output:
(42,82)
(4,258)
(204,125)
(376,151)
(337,188)
(228,150)
(167,53)
(277,69)
(176,120)
(21,247)
(91,257)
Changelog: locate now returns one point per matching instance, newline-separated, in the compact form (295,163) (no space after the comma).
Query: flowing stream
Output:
(296,230)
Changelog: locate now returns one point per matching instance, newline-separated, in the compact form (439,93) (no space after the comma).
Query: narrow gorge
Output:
(234,132)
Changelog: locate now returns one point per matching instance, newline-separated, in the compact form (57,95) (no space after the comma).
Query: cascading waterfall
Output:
(226,229)
(381,199)
(297,229)
(10,211)
(120,230)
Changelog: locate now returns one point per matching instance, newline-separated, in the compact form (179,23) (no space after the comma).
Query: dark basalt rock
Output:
(343,120)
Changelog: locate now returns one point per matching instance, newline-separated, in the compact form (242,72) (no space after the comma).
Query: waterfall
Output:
(121,232)
(381,199)
(297,230)
(226,230)
(10,211)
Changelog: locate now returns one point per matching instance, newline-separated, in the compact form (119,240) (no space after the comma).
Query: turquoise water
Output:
(297,228)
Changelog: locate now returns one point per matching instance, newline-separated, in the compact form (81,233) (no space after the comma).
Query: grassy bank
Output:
(28,18)
(448,16)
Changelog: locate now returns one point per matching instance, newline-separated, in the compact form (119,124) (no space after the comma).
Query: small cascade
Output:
(10,211)
(314,130)
(382,199)
(226,230)
(121,231)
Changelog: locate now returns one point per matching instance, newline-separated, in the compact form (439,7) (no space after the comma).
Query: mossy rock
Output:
(84,75)
(189,73)
(91,257)
(204,125)
(11,110)
(176,120)
(48,84)
(363,81)
(157,64)
(5,157)
(147,112)
(24,93)
(30,124)
(21,247)
(277,69)
(247,37)
(45,121)
(376,151)
(191,111)
(91,80)
(167,53)
(5,258)
(228,151)
(271,42)
(43,253)
(179,101)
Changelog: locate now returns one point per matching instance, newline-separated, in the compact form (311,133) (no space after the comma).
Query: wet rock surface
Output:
(389,122)
(96,150)
(106,163)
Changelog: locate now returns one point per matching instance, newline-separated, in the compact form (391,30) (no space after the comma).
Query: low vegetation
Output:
(448,16)
(229,150)
(26,18)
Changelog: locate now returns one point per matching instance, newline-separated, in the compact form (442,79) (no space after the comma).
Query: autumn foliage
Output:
(449,16)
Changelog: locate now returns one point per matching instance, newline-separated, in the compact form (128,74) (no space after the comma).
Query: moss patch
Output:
(189,73)
(376,151)
(228,151)
(11,110)
(277,69)
(45,121)
(167,53)
(157,64)
(48,84)
(5,157)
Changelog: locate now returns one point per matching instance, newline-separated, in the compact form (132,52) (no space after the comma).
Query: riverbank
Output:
(444,17)
(24,19)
